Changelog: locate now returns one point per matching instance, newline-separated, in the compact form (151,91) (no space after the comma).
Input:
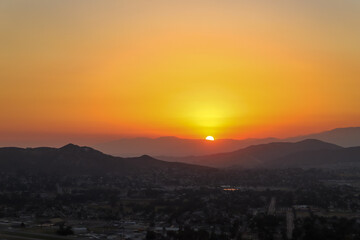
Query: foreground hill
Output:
(258,155)
(72,159)
(326,158)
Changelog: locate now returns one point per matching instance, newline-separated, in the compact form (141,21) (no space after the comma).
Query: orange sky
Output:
(232,69)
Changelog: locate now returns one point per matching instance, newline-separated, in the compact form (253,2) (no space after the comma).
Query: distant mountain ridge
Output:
(173,146)
(73,159)
(257,155)
(165,147)
(345,137)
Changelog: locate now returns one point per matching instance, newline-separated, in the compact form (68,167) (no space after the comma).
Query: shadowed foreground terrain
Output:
(80,193)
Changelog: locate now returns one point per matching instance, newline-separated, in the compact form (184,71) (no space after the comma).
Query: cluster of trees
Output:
(190,234)
(64,230)
(320,228)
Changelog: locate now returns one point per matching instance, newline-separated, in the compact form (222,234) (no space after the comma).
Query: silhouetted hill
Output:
(327,158)
(257,155)
(72,159)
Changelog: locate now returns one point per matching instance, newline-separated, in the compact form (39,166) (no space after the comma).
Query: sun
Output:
(210,138)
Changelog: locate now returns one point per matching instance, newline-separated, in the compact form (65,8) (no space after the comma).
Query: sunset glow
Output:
(232,69)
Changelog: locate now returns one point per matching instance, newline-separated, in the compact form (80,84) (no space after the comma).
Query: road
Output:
(271,210)
(22,235)
(289,223)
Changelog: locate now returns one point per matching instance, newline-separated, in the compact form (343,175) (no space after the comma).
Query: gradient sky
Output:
(76,70)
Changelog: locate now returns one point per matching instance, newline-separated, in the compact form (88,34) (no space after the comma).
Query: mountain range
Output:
(173,146)
(73,159)
(263,155)
(178,147)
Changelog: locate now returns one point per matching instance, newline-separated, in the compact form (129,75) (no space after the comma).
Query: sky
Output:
(87,71)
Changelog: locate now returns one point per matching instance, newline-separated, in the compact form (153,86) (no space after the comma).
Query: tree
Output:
(64,230)
(150,235)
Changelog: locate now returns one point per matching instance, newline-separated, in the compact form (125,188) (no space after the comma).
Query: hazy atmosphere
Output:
(94,71)
(179,120)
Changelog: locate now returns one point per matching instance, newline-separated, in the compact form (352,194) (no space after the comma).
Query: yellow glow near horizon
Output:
(232,69)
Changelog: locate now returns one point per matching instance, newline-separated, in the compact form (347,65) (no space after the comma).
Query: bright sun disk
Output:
(210,138)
